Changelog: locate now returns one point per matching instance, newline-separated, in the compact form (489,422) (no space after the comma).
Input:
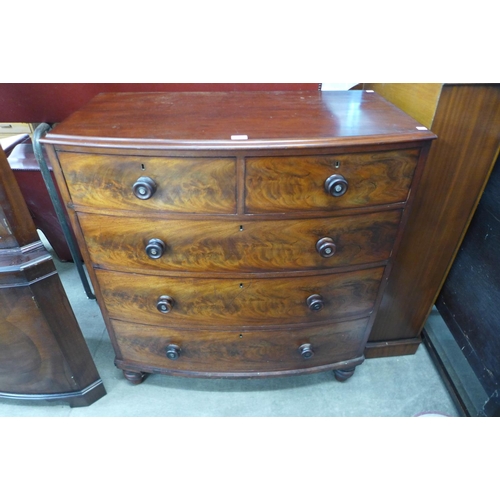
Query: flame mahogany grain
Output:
(239,220)
(239,245)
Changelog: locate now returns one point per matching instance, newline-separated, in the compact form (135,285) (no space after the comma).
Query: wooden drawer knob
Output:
(155,248)
(144,188)
(315,302)
(336,185)
(306,351)
(165,304)
(173,351)
(326,247)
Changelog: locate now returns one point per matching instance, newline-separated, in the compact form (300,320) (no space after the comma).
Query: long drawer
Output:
(184,302)
(179,185)
(297,183)
(213,351)
(139,244)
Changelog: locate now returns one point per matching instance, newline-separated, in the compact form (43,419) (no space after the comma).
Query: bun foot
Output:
(134,377)
(343,375)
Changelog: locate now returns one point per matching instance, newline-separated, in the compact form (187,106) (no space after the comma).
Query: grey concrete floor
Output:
(404,386)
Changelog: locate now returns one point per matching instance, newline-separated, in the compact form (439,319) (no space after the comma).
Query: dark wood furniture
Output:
(466,119)
(470,297)
(43,355)
(238,234)
(27,173)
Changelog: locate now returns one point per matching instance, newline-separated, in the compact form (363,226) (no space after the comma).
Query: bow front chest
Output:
(238,234)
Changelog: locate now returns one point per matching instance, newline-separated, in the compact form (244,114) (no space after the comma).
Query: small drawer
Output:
(210,352)
(190,302)
(303,183)
(179,185)
(138,244)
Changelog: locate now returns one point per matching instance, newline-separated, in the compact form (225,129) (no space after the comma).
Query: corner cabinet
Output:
(43,355)
(238,234)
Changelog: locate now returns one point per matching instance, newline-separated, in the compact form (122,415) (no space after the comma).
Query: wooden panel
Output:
(16,226)
(197,120)
(403,347)
(30,359)
(212,351)
(186,185)
(43,354)
(243,302)
(470,297)
(53,102)
(419,100)
(467,123)
(279,184)
(239,245)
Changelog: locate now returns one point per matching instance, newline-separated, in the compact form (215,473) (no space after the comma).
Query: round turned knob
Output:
(325,247)
(173,351)
(144,188)
(306,351)
(155,248)
(165,304)
(336,185)
(315,302)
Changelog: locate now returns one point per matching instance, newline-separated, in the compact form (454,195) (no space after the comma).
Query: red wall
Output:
(53,102)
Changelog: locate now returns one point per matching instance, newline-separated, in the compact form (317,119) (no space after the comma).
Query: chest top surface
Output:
(210,120)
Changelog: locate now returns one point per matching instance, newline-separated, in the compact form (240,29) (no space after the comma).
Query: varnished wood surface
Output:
(386,349)
(211,351)
(467,122)
(54,102)
(208,120)
(419,100)
(30,358)
(203,185)
(238,302)
(279,184)
(240,245)
(22,265)
(42,349)
(267,269)
(16,225)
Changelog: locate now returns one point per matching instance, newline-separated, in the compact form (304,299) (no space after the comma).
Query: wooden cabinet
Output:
(43,355)
(466,119)
(238,234)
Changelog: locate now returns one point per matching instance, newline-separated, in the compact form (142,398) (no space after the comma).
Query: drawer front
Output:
(213,351)
(242,302)
(284,184)
(179,185)
(240,246)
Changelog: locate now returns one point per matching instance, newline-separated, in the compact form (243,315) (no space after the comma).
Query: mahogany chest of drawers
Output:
(238,234)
